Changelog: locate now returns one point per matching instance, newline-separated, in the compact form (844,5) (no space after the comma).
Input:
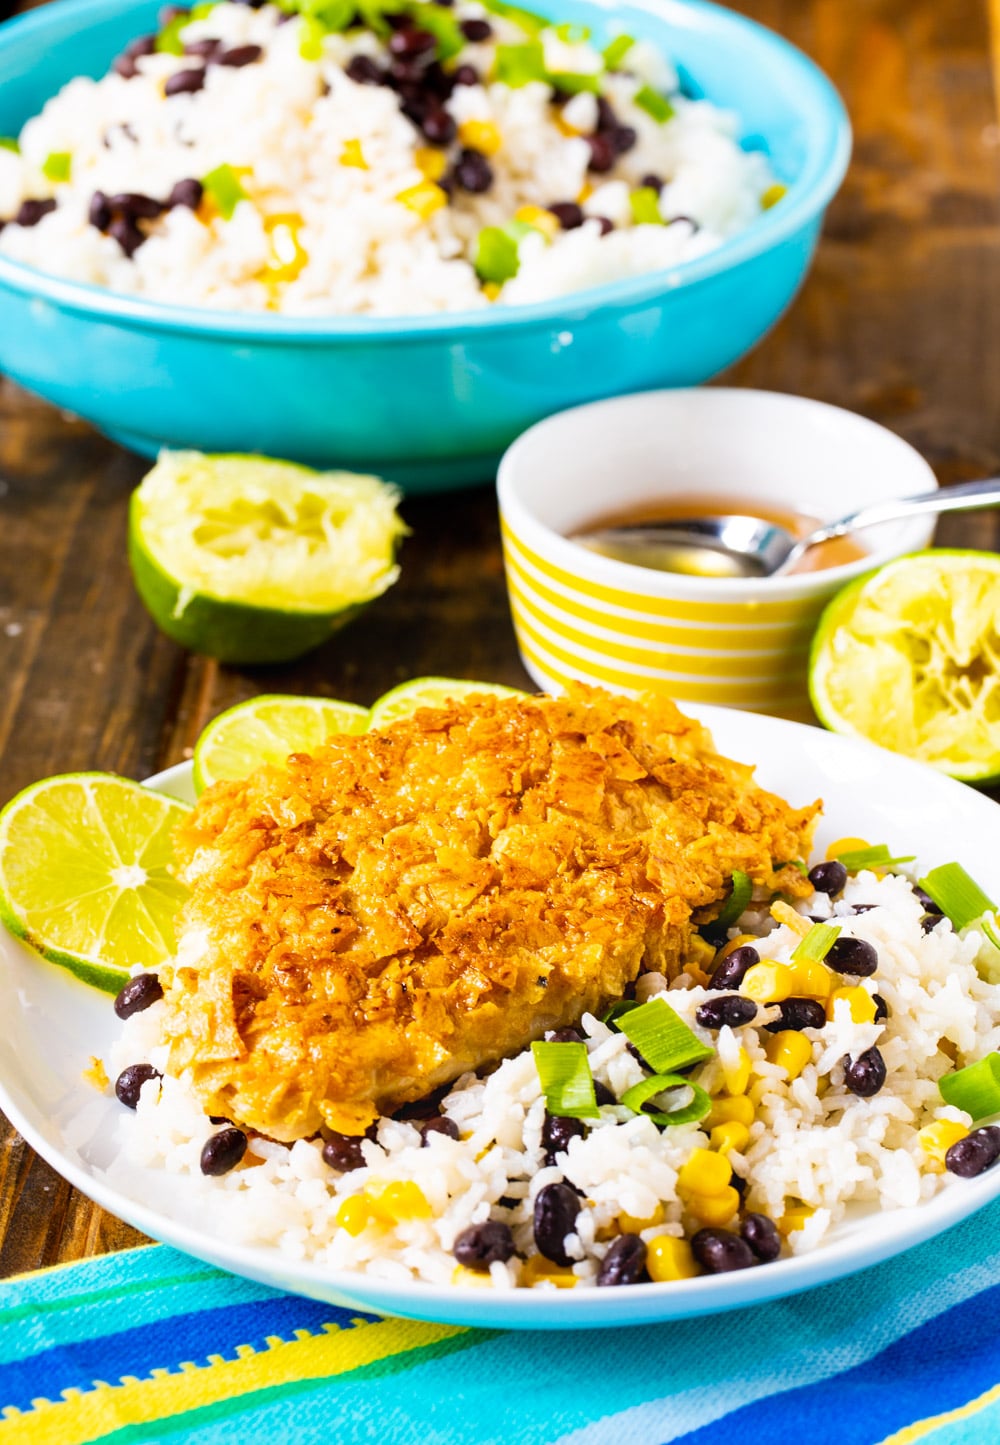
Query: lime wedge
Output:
(403,701)
(265,730)
(253,561)
(85,874)
(909,657)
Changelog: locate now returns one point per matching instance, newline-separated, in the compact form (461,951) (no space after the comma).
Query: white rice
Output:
(813,1142)
(283,124)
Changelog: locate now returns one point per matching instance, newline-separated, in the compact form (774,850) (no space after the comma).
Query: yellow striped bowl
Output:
(736,641)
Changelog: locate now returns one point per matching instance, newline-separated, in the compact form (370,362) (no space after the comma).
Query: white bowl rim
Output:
(645,582)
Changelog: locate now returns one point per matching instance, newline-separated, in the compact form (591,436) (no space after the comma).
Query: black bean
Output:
(930,921)
(557,1131)
(568,214)
(864,1075)
(184,82)
(602,1094)
(607,120)
(623,138)
(188,192)
(563,1036)
(438,80)
(853,955)
(31,212)
(99,213)
(204,49)
(481,1245)
(762,1236)
(364,71)
(602,153)
(474,173)
(343,1151)
(223,1151)
(974,1154)
(134,206)
(127,234)
(167,13)
(652,182)
(925,898)
(218,1119)
(828,877)
(476,30)
(239,56)
(719,1251)
(606,226)
(410,42)
(441,1125)
(125,65)
(730,972)
(740,1184)
(138,994)
(729,1009)
(624,1263)
(798,1014)
(556,1209)
(465,75)
(130,1082)
(863,907)
(881,1008)
(438,126)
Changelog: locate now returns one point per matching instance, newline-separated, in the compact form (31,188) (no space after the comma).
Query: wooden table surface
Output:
(900,320)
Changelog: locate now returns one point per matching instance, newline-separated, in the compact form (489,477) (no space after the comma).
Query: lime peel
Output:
(434,692)
(265,730)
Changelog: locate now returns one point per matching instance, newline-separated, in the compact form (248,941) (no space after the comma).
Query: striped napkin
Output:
(150,1346)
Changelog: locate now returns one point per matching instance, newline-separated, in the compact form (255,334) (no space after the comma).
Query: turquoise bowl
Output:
(428,401)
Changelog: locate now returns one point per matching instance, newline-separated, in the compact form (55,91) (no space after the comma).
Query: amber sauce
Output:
(835,553)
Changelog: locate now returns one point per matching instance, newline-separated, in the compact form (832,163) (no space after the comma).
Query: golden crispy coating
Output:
(410,904)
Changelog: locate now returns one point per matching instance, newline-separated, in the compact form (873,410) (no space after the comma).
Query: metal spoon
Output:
(741,546)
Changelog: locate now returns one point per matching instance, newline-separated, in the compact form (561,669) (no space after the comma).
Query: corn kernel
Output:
(796,1217)
(353,155)
(772,196)
(739,1109)
(767,983)
(784,913)
(564,128)
(731,1135)
(790,1050)
(353,1214)
(846,845)
(288,256)
(811,979)
(937,1138)
(400,1201)
(737,1076)
(431,162)
(668,1258)
(538,1268)
(541,219)
(714,1209)
(629,1224)
(424,198)
(491,290)
(585,193)
(477,1278)
(860,1002)
(481,135)
(704,1173)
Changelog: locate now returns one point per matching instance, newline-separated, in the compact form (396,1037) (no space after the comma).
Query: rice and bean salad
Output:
(382,158)
(836,1051)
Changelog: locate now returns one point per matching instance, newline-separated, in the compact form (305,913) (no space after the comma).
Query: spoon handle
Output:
(965,497)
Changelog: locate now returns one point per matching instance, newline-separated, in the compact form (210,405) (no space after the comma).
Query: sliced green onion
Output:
(573,34)
(796,863)
(497,259)
(976,1089)
(202,10)
(572,82)
(518,65)
(169,41)
(817,943)
(312,33)
(440,23)
(10,143)
(653,103)
(878,856)
(615,52)
(958,896)
(57,166)
(645,203)
(662,1037)
(527,19)
(223,186)
(616,1011)
(636,1097)
(736,903)
(566,1080)
(989,927)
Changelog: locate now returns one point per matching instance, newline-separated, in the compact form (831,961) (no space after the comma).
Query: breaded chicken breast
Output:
(370,922)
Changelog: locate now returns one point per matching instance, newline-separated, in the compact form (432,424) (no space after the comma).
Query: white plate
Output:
(56,1024)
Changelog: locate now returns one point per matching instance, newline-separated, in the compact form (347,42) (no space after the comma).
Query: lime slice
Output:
(403,701)
(909,657)
(251,560)
(84,874)
(265,730)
